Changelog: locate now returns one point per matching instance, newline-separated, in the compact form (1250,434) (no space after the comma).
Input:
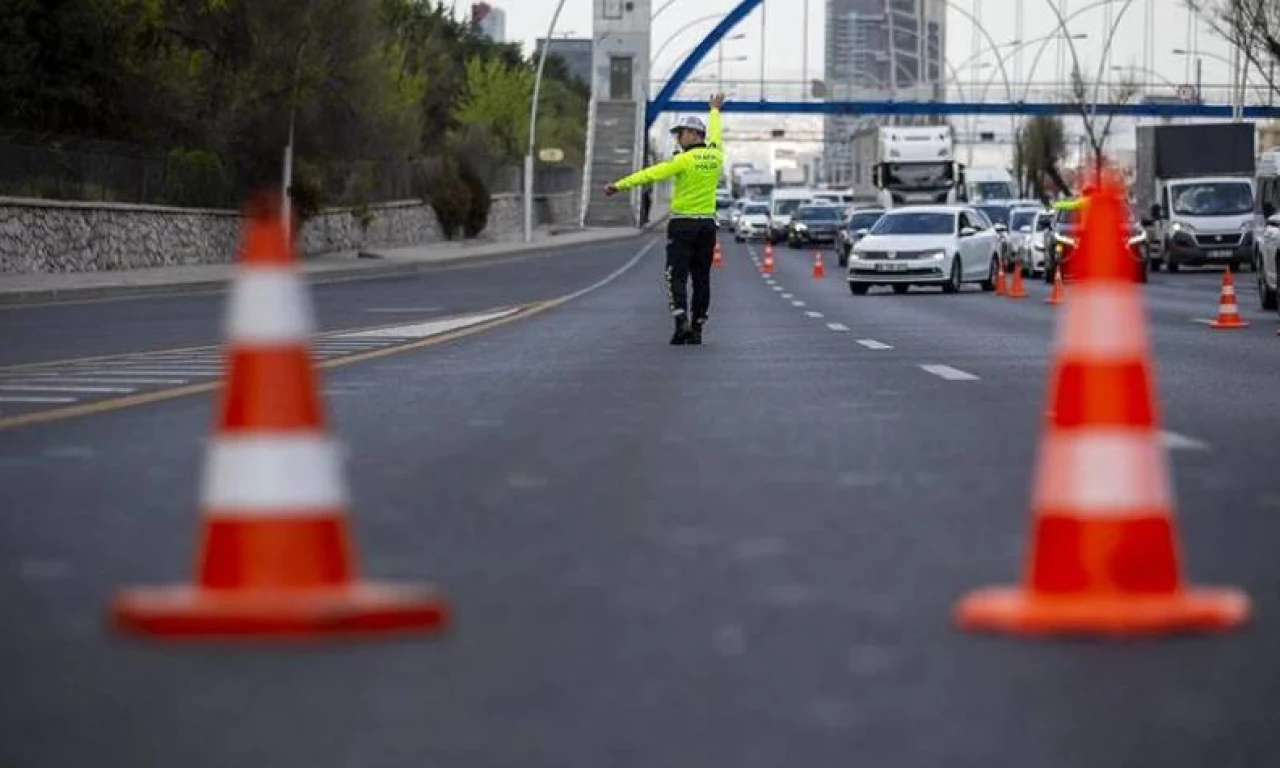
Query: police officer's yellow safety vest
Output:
(696,171)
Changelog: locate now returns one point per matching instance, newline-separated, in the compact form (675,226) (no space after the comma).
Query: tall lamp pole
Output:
(533,127)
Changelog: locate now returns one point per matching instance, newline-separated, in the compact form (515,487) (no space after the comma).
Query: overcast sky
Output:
(528,20)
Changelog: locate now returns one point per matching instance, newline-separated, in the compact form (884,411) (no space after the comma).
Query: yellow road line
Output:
(147,398)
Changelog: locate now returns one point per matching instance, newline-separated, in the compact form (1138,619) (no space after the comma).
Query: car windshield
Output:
(914,223)
(756,209)
(819,213)
(864,220)
(1069,216)
(1021,219)
(997,213)
(787,207)
(990,190)
(1221,198)
(724,202)
(1044,222)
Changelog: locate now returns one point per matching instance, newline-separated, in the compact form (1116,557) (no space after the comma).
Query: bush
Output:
(450,197)
(306,196)
(477,217)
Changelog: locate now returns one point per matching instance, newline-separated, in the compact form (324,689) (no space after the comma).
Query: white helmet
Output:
(690,122)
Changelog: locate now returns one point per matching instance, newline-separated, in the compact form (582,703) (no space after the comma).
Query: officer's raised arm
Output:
(714,133)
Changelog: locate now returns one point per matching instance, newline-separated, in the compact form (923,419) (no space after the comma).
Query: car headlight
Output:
(1179,226)
(1246,226)
(855,255)
(1136,239)
(1038,245)
(1062,240)
(934,255)
(802,227)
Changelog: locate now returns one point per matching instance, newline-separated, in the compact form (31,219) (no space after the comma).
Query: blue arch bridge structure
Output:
(665,101)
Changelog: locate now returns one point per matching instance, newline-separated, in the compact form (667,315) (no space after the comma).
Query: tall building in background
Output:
(577,54)
(876,50)
(489,21)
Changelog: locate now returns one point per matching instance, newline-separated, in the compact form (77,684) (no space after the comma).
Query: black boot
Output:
(681,335)
(695,331)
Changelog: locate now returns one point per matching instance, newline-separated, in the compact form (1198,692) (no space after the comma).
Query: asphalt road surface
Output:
(744,554)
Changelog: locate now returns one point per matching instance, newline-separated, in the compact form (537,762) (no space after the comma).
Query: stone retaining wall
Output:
(61,236)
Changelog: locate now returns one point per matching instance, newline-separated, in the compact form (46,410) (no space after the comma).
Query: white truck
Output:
(1195,182)
(988,183)
(917,165)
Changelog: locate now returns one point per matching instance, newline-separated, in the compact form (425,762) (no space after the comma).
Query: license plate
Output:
(1220,254)
(893,267)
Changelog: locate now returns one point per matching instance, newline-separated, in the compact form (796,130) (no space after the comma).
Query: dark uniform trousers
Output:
(691,247)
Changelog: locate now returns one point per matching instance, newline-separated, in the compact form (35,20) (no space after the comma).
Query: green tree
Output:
(497,101)
(1041,146)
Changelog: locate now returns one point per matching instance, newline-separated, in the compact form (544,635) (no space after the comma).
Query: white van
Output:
(1266,228)
(782,204)
(989,183)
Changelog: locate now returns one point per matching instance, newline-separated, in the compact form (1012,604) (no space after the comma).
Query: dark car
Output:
(854,228)
(813,224)
(998,214)
(1063,237)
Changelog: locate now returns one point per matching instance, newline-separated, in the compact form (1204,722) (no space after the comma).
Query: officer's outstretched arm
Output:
(654,173)
(715,136)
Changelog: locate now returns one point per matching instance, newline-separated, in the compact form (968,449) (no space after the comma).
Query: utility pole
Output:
(533,126)
(763,29)
(804,50)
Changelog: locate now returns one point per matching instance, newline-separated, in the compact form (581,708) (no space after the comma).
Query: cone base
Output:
(1017,611)
(1017,296)
(186,612)
(1229,325)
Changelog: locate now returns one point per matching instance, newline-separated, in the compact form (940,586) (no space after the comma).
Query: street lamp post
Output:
(533,127)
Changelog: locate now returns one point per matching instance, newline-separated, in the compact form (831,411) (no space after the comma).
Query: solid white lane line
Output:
(797,304)
(398,310)
(149,372)
(949,373)
(54,379)
(34,399)
(838,327)
(41,388)
(813,314)
(873,344)
(1176,442)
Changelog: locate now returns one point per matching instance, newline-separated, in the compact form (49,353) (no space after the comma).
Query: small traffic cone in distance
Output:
(276,558)
(1001,287)
(717,260)
(1056,295)
(819,268)
(1104,553)
(768,258)
(1017,290)
(1228,309)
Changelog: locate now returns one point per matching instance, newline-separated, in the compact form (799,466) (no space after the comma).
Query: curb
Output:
(347,274)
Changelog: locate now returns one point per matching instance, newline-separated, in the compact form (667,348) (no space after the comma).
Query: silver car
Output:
(1027,226)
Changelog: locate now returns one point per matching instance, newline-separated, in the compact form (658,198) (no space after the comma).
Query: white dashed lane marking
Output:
(814,315)
(949,373)
(797,304)
(84,390)
(38,400)
(787,296)
(873,344)
(838,327)
(1176,442)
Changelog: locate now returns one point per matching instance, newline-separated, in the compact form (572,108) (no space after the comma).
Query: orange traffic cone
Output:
(1017,290)
(768,258)
(717,260)
(1105,553)
(1228,310)
(276,557)
(1001,287)
(819,268)
(1056,295)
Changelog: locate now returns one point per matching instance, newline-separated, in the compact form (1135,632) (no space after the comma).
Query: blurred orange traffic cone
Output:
(276,557)
(1001,287)
(768,258)
(1105,554)
(1018,290)
(1228,310)
(717,260)
(819,268)
(1056,295)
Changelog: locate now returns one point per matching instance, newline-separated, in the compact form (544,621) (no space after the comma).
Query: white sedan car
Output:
(753,222)
(942,245)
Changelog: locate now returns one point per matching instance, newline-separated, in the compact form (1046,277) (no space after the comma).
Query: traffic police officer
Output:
(691,232)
